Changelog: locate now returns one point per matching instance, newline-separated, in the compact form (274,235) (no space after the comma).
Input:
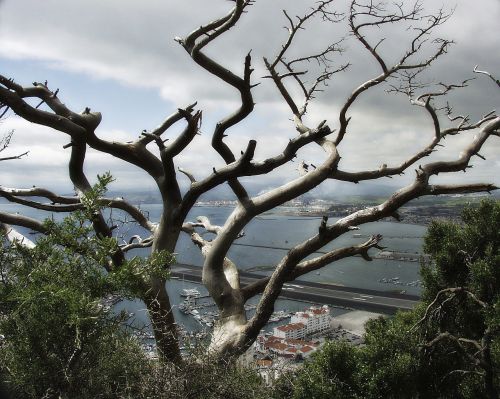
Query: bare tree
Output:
(9,232)
(4,143)
(234,333)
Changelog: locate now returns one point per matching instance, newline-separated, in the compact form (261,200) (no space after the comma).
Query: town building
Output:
(289,341)
(293,330)
(285,348)
(315,319)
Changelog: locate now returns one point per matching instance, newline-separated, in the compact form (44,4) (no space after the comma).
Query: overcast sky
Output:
(119,57)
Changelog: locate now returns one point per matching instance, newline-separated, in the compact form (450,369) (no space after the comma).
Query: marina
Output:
(190,293)
(197,307)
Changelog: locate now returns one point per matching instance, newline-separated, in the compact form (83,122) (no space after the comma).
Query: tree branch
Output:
(487,74)
(14,236)
(447,293)
(169,122)
(14,157)
(23,221)
(381,17)
(326,234)
(308,266)
(385,171)
(193,45)
(72,203)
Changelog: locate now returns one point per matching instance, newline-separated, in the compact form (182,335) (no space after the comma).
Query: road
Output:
(330,294)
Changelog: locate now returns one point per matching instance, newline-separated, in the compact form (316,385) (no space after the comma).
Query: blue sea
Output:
(274,229)
(280,230)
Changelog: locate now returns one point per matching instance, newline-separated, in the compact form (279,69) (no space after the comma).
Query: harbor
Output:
(197,314)
(193,330)
(203,310)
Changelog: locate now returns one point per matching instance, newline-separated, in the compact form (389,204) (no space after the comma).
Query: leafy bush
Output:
(401,357)
(59,342)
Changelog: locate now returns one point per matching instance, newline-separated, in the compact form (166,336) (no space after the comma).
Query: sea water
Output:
(280,231)
(276,230)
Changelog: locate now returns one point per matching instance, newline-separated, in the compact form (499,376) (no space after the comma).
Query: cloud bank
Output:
(131,44)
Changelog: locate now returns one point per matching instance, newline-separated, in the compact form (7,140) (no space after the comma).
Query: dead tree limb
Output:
(234,333)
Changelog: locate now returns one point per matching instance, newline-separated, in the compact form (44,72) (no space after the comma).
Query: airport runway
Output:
(351,297)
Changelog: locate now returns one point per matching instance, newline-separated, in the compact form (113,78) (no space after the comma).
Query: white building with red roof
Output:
(285,348)
(290,331)
(287,341)
(315,319)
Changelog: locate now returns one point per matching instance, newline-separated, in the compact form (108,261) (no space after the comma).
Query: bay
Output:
(280,230)
(274,229)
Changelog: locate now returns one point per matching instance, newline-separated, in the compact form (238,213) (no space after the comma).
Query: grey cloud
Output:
(132,42)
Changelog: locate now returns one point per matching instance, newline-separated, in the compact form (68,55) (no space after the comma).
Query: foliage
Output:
(90,200)
(332,374)
(58,338)
(75,235)
(60,342)
(389,361)
(204,377)
(396,360)
(130,277)
(468,257)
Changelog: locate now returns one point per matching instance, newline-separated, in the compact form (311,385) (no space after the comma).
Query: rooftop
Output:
(277,345)
(291,327)
(264,363)
(319,311)
(300,342)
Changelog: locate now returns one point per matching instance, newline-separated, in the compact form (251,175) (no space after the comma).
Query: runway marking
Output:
(304,291)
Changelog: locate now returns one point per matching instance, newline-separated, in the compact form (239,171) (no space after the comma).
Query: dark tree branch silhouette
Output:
(234,333)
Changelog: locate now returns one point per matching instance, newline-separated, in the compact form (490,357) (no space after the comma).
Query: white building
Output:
(315,319)
(291,348)
(290,331)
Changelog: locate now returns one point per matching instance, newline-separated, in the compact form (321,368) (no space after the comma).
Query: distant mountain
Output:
(343,192)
